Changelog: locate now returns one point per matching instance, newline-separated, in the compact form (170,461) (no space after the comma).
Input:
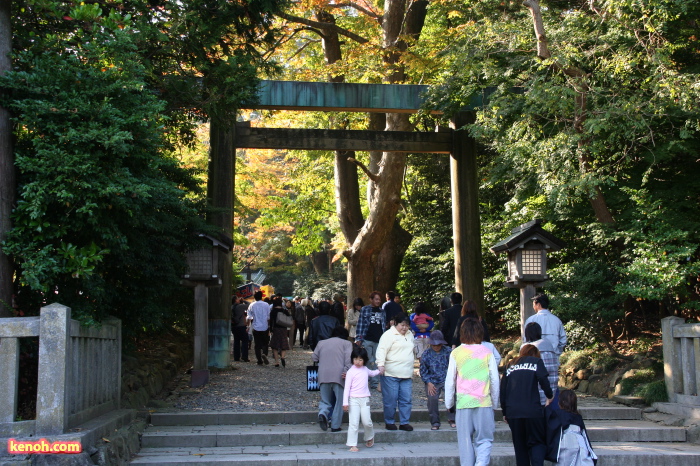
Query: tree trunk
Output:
(377,122)
(8,178)
(389,259)
(347,196)
(320,262)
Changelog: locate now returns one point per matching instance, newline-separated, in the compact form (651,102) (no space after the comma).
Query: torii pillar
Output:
(466,224)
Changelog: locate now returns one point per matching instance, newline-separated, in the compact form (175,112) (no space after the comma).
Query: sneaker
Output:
(265,360)
(406,427)
(390,426)
(335,430)
(323,422)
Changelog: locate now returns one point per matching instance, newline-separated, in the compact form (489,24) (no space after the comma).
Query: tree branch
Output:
(301,49)
(326,26)
(364,168)
(369,13)
(542,48)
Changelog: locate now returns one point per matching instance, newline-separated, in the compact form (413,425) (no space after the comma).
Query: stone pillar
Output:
(673,373)
(54,354)
(200,370)
(9,365)
(466,224)
(526,310)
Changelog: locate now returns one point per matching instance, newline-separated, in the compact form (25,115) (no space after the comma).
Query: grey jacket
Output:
(333,358)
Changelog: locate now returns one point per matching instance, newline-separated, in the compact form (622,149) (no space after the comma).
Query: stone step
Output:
(310,434)
(201,418)
(678,409)
(403,454)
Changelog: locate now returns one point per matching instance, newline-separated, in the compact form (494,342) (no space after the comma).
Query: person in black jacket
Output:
(338,309)
(567,439)
(469,311)
(323,325)
(520,402)
(449,324)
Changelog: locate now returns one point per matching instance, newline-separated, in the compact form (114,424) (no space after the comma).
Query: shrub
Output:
(654,392)
(576,359)
(579,336)
(630,385)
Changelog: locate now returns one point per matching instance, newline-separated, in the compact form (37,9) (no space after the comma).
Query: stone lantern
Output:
(202,273)
(527,248)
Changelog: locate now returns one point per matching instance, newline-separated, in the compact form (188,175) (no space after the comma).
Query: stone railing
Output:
(79,371)
(681,360)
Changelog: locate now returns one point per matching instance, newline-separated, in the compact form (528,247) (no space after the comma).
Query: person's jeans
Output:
(434,405)
(396,391)
(262,340)
(371,347)
(240,343)
(331,404)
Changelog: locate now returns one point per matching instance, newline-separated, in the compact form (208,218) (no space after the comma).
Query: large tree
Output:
(375,243)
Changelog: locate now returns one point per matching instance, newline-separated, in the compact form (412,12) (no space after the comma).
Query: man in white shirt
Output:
(259,313)
(552,328)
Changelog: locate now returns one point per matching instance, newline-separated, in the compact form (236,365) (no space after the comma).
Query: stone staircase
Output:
(619,436)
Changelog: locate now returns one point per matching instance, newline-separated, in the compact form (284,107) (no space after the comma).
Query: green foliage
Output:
(102,95)
(318,286)
(582,292)
(427,274)
(576,359)
(102,219)
(608,116)
(603,361)
(629,385)
(654,392)
(579,336)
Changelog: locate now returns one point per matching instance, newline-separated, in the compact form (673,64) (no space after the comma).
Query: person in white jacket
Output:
(395,359)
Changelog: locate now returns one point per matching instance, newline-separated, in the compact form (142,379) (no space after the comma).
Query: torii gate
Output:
(345,97)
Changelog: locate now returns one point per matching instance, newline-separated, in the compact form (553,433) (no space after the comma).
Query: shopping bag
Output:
(312,384)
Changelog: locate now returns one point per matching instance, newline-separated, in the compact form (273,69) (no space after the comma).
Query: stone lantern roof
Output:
(525,233)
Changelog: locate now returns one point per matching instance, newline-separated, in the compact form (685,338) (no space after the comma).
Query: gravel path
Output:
(249,387)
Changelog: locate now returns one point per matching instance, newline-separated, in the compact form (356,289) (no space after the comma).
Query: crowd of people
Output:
(360,348)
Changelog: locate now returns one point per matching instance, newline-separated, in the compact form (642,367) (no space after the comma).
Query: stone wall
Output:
(602,379)
(146,373)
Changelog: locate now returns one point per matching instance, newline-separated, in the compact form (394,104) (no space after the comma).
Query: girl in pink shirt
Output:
(356,398)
